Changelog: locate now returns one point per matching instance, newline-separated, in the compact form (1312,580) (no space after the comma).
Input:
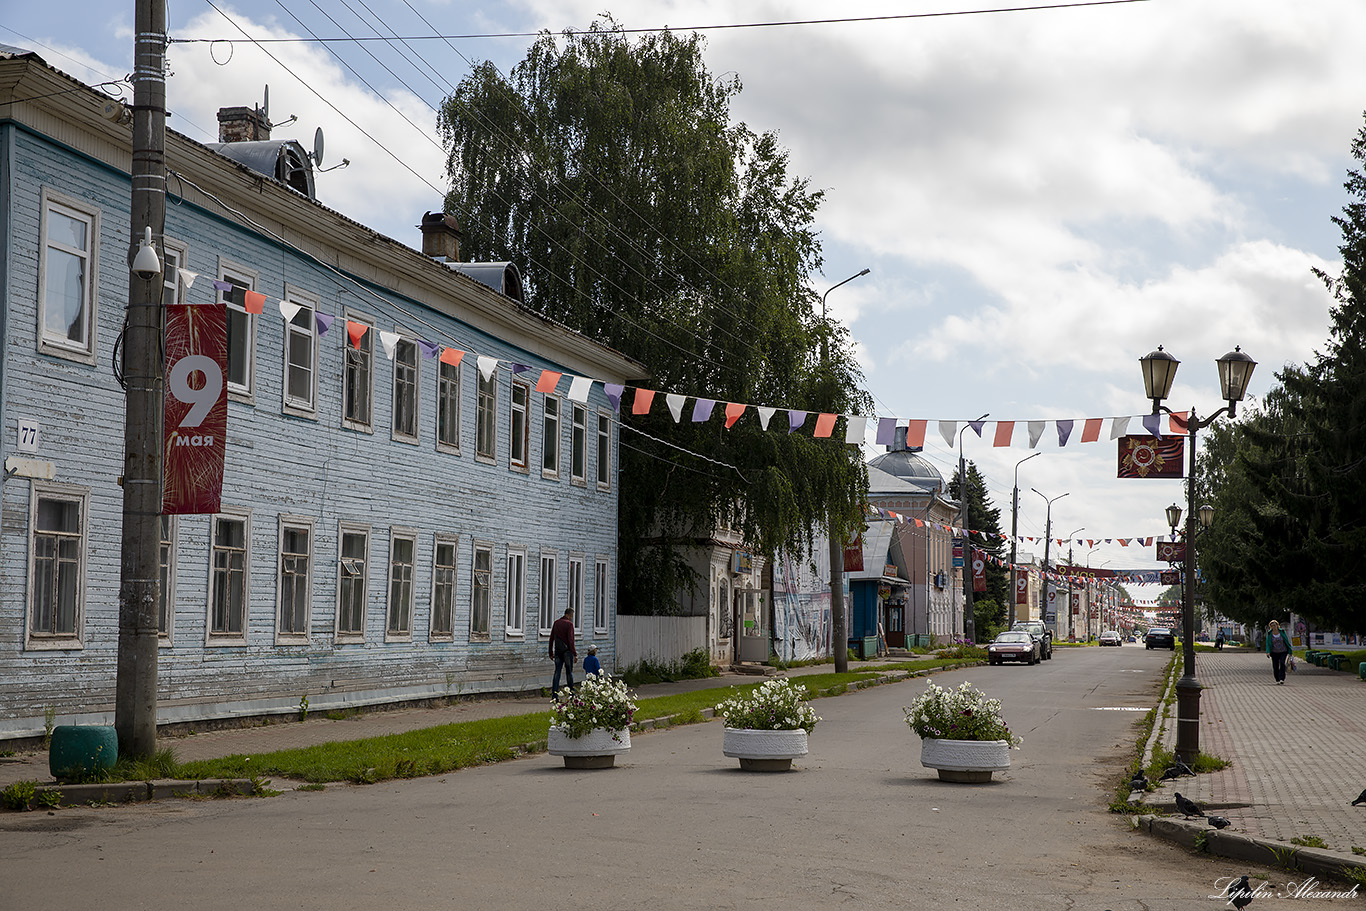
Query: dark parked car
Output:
(1160,637)
(1013,646)
(1041,633)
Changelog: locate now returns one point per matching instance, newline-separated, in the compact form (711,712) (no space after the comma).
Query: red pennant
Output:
(733,412)
(915,434)
(452,356)
(1004,429)
(1091,432)
(643,398)
(356,332)
(824,425)
(549,379)
(1179,422)
(254,302)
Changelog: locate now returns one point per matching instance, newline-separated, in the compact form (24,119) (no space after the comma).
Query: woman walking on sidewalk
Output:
(1278,647)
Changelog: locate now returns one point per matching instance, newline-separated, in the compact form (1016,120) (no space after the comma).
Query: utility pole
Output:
(135,686)
(969,573)
(1047,539)
(1014,533)
(839,631)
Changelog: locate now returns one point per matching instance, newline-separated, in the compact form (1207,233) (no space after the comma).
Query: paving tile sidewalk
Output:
(1298,751)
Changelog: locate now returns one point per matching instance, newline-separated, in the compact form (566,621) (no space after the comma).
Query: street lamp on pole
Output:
(1071,562)
(1090,588)
(838,628)
(1159,370)
(1014,530)
(1047,539)
(969,570)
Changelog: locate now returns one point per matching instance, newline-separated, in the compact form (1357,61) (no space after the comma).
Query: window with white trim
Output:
(174,256)
(600,584)
(443,588)
(402,559)
(604,451)
(405,390)
(58,521)
(578,445)
(547,599)
(67,274)
(166,562)
(353,577)
(481,591)
(301,355)
(241,328)
(516,592)
(517,426)
(448,407)
(575,591)
(550,438)
(229,557)
(486,417)
(358,379)
(295,577)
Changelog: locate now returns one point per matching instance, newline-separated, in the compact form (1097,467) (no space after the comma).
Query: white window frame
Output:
(169,531)
(480,590)
(391,634)
(343,530)
(515,615)
(578,445)
(212,636)
(291,404)
(550,436)
(58,343)
(601,602)
(350,354)
(452,588)
(70,494)
(575,590)
(287,524)
(546,592)
(486,417)
(604,451)
(519,438)
(406,389)
(229,271)
(448,386)
(174,256)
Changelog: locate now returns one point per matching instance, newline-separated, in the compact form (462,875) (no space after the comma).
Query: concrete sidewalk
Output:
(1297,753)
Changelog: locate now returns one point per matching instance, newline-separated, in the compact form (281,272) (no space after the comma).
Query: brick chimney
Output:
(242,125)
(441,237)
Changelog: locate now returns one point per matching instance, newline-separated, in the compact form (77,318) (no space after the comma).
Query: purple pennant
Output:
(222,285)
(702,410)
(614,391)
(976,427)
(1064,431)
(520,368)
(429,349)
(886,431)
(795,419)
(324,322)
(1153,424)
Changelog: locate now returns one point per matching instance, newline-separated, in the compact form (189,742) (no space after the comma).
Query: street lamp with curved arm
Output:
(969,621)
(1047,540)
(1015,530)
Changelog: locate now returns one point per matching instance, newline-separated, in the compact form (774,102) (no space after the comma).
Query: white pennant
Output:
(946,430)
(1035,431)
(764,414)
(579,388)
(1119,428)
(289,310)
(187,277)
(486,366)
(675,403)
(856,426)
(390,341)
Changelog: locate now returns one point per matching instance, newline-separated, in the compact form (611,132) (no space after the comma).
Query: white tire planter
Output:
(764,751)
(965,760)
(597,749)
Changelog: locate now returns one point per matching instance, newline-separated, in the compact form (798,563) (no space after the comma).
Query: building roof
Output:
(903,471)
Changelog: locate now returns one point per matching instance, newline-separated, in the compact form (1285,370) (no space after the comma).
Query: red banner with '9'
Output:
(195,409)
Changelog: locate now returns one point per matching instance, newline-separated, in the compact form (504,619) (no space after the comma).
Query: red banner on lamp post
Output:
(1151,457)
(1021,587)
(979,571)
(195,409)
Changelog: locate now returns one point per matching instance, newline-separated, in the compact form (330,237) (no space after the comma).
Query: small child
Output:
(591,665)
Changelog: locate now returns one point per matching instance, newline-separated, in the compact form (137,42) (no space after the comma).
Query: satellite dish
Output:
(318,147)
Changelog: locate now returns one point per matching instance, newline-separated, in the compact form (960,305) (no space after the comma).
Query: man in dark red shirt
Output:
(562,649)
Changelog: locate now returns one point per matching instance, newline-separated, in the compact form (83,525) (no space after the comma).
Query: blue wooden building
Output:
(404,511)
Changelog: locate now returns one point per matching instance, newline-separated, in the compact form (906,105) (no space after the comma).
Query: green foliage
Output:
(19,796)
(600,701)
(609,168)
(48,798)
(1309,841)
(989,607)
(695,665)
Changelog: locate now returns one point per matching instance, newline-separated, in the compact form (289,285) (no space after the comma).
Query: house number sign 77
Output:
(201,400)
(28,435)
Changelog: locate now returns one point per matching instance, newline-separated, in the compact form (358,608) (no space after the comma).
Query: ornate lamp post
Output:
(1159,370)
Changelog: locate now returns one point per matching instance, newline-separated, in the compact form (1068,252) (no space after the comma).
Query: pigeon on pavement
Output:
(1240,894)
(1218,822)
(1139,782)
(1176,770)
(1361,798)
(1187,807)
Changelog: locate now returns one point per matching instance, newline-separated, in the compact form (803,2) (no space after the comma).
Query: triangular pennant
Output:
(487,365)
(1064,431)
(1153,424)
(1178,423)
(915,434)
(289,310)
(886,431)
(675,403)
(548,381)
(1091,431)
(734,410)
(187,277)
(765,414)
(795,419)
(254,302)
(948,430)
(220,285)
(856,425)
(452,356)
(429,349)
(1035,432)
(390,341)
(579,389)
(976,427)
(825,424)
(355,332)
(701,410)
(614,391)
(519,369)
(324,322)
(1004,431)
(1119,428)
(641,401)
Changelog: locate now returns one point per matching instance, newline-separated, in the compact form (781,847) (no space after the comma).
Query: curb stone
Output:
(1261,852)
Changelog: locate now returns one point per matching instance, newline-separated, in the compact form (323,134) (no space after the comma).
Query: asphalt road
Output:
(858,823)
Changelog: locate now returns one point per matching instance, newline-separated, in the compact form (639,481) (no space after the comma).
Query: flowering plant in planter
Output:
(775,705)
(964,713)
(599,702)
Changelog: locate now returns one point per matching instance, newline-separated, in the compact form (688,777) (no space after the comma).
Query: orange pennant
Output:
(641,404)
(356,332)
(1178,422)
(1004,429)
(546,384)
(915,434)
(452,356)
(1091,432)
(733,412)
(254,302)
(824,425)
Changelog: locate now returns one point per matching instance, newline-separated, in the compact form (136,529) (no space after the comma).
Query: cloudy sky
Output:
(1042,196)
